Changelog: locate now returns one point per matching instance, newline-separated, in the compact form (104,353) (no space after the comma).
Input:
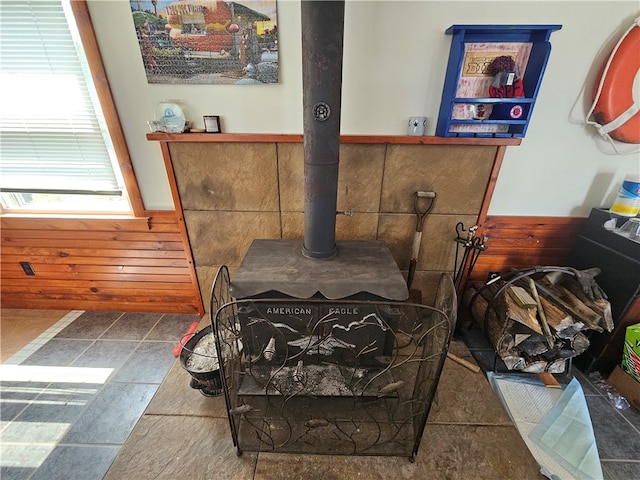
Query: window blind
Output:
(53,137)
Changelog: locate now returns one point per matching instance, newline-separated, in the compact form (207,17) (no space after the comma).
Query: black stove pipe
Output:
(322,40)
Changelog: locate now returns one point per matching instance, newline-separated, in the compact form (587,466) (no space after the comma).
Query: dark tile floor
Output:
(617,431)
(105,398)
(95,379)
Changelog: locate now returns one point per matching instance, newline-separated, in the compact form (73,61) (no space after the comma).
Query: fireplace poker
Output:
(422,204)
(466,244)
(478,246)
(472,246)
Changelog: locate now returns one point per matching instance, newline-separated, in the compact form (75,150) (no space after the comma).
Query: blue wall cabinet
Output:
(473,103)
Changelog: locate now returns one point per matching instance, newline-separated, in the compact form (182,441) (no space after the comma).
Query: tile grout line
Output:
(144,338)
(624,417)
(603,395)
(43,338)
(621,460)
(49,334)
(99,337)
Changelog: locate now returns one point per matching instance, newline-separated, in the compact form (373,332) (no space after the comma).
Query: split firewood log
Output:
(498,336)
(514,329)
(534,345)
(591,318)
(539,365)
(518,338)
(562,323)
(584,278)
(557,366)
(601,306)
(570,304)
(514,362)
(512,310)
(486,316)
(521,296)
(579,343)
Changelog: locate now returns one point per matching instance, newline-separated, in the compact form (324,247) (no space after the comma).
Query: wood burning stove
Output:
(277,270)
(329,376)
(318,350)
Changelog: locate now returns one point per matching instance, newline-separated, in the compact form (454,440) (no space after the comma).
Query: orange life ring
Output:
(616,103)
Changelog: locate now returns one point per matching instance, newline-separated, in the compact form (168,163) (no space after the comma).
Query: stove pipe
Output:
(322,38)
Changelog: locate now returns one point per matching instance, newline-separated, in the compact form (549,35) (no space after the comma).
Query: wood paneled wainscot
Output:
(111,264)
(140,263)
(521,242)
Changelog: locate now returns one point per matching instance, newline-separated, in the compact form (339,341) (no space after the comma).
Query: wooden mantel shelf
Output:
(293,138)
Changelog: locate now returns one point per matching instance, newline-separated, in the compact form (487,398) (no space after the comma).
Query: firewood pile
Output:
(536,325)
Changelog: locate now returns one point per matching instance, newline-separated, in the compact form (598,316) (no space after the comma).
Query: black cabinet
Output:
(619,259)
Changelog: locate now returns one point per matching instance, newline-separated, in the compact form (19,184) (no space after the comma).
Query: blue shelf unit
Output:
(538,36)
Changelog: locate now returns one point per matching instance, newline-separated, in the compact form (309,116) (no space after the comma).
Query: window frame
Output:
(82,16)
(81,13)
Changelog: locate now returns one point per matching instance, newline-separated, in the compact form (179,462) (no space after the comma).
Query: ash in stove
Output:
(326,380)
(203,358)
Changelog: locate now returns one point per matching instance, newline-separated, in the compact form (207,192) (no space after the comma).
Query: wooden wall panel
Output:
(121,264)
(521,242)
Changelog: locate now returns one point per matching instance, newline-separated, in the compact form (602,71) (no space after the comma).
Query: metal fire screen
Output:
(330,376)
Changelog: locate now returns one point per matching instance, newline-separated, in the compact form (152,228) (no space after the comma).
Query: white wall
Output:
(395,56)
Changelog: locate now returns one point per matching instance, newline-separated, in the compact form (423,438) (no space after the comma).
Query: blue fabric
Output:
(566,434)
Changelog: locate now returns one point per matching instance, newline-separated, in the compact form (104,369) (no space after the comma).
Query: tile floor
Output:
(70,398)
(20,327)
(617,432)
(114,404)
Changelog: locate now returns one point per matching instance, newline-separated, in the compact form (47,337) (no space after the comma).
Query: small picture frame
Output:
(212,124)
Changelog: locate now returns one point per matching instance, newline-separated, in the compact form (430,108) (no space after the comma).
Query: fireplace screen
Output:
(330,376)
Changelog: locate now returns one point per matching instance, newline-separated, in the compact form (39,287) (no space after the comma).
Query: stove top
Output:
(360,267)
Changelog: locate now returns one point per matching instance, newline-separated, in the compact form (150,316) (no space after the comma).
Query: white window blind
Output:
(53,137)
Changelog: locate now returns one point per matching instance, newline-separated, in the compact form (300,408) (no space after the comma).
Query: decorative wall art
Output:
(475,80)
(492,80)
(208,41)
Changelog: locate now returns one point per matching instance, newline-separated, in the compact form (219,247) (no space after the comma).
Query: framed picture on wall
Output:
(209,42)
(212,124)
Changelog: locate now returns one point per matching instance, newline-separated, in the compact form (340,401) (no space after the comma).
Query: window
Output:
(57,149)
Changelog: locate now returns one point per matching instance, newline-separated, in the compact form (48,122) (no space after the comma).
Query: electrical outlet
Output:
(28,268)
